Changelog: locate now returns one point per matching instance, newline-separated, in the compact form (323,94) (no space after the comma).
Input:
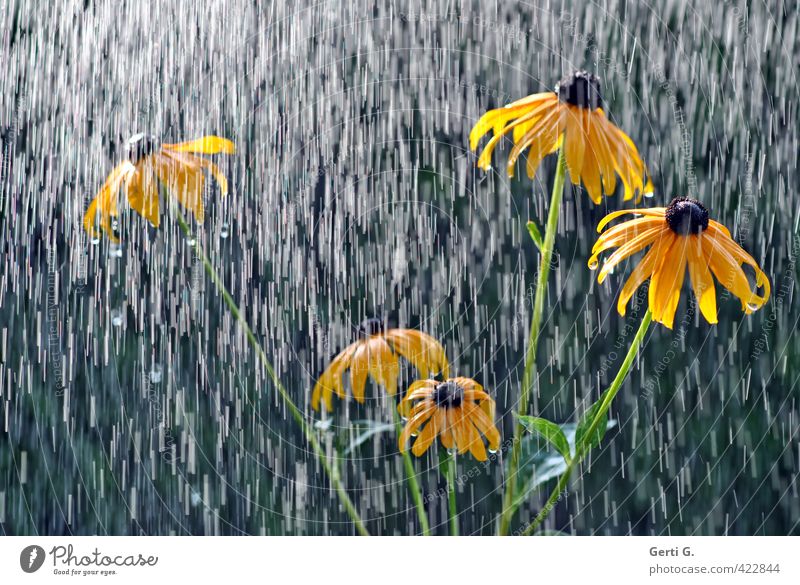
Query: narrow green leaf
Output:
(549,431)
(370,429)
(536,235)
(586,422)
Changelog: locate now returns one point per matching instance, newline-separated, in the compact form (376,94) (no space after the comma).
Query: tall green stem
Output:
(585,445)
(411,478)
(529,374)
(284,394)
(450,476)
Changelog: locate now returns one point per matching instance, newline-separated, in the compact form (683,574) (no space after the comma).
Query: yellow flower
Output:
(375,354)
(457,410)
(149,162)
(680,235)
(596,150)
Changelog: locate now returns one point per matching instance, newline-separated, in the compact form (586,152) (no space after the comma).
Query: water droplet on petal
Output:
(491,451)
(753,306)
(593,264)
(648,194)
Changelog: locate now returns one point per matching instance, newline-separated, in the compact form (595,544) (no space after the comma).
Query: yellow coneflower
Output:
(570,117)
(149,162)
(457,410)
(376,354)
(681,235)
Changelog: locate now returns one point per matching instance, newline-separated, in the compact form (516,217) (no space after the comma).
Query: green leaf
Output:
(586,422)
(535,234)
(540,464)
(370,429)
(549,431)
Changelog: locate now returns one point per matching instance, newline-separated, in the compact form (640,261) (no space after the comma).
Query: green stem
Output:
(529,374)
(585,446)
(450,476)
(284,394)
(411,478)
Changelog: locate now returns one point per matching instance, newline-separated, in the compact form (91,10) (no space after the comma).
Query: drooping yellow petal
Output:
(527,120)
(647,212)
(642,272)
(413,424)
(215,171)
(742,257)
(476,446)
(426,437)
(383,366)
(359,368)
(143,191)
(574,143)
(445,429)
(539,138)
(331,379)
(184,180)
(546,143)
(619,234)
(729,273)
(668,280)
(497,119)
(106,201)
(602,153)
(591,166)
(485,425)
(423,351)
(204,145)
(629,248)
(702,281)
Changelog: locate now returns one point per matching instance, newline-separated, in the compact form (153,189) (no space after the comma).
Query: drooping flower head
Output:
(149,162)
(571,117)
(680,236)
(376,353)
(457,410)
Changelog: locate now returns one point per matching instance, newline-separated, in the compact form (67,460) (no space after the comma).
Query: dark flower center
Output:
(686,216)
(370,327)
(142,145)
(580,89)
(448,395)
